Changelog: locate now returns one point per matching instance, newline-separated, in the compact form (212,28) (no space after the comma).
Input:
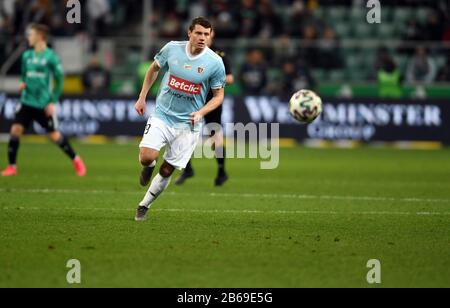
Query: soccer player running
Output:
(192,69)
(214,118)
(40,64)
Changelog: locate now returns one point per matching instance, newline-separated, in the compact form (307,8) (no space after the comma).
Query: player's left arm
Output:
(58,77)
(218,83)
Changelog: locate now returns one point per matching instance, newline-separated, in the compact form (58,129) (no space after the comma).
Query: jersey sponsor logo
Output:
(36,61)
(33,74)
(184,86)
(181,96)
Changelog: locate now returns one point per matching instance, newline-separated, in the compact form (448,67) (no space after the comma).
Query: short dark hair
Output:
(41,29)
(201,21)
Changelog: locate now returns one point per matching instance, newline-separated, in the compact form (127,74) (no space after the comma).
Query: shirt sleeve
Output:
(58,76)
(219,78)
(162,57)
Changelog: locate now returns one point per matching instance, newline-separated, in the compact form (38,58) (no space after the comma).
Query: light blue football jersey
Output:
(186,83)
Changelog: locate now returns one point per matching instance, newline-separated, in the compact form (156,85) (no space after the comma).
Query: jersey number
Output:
(147,129)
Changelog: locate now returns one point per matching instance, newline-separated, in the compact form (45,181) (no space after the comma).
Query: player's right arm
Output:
(161,60)
(149,80)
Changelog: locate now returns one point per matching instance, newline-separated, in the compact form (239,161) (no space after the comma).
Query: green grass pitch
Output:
(313,222)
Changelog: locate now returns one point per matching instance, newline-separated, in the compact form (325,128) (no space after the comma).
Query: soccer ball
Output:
(305,106)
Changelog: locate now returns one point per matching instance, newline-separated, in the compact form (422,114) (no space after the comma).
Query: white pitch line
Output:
(199,211)
(303,212)
(237,195)
(354,198)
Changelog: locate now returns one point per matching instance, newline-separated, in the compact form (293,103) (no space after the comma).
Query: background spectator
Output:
(434,27)
(421,68)
(328,52)
(96,79)
(389,76)
(296,76)
(254,73)
(249,19)
(444,74)
(271,25)
(98,13)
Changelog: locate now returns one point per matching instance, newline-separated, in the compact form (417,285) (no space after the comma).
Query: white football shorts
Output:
(180,142)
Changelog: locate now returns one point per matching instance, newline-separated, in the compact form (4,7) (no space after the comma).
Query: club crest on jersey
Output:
(201,70)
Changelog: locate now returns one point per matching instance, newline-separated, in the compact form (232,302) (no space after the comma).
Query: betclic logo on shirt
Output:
(184,86)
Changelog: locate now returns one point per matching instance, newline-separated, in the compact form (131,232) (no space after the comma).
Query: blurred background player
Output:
(192,69)
(214,117)
(37,103)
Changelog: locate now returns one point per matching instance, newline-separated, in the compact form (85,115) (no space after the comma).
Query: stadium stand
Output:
(316,30)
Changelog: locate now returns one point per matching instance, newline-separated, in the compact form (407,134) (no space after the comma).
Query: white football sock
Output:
(158,186)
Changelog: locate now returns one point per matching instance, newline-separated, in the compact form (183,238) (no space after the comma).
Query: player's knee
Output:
(17,131)
(146,160)
(147,157)
(218,140)
(55,136)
